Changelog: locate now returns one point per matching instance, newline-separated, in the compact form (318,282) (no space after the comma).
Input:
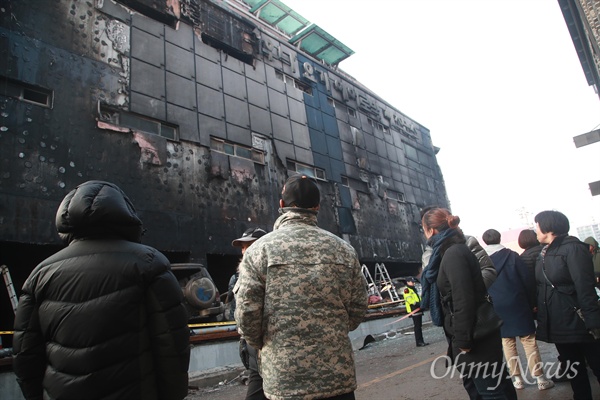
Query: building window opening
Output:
(137,122)
(398,196)
(307,170)
(237,150)
(26,92)
(235,53)
(290,80)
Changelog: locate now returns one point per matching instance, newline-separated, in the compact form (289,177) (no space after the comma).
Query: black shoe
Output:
(422,344)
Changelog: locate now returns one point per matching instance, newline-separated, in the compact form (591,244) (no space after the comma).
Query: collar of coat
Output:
(296,215)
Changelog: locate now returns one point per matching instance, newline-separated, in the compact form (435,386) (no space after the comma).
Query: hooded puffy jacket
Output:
(102,318)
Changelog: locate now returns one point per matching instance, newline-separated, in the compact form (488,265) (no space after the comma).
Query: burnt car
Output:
(202,298)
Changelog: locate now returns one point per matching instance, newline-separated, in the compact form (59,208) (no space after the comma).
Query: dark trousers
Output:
(255,386)
(574,357)
(418,325)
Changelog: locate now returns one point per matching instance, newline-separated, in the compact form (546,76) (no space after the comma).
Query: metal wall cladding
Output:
(236,111)
(148,79)
(208,73)
(234,84)
(257,94)
(186,120)
(260,121)
(180,61)
(210,102)
(174,76)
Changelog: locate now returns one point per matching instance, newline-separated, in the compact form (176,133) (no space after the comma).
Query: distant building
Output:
(582,18)
(586,231)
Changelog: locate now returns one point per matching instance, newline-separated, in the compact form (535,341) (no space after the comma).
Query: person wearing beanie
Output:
(248,354)
(300,292)
(595,252)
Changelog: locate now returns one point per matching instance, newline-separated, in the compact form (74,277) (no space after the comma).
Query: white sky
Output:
(499,85)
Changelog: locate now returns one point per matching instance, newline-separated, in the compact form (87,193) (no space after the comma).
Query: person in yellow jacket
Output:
(413,302)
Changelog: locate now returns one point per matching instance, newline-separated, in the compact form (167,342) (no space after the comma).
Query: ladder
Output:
(14,300)
(383,281)
(372,288)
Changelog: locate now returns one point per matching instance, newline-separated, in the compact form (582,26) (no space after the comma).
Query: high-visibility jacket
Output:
(411,299)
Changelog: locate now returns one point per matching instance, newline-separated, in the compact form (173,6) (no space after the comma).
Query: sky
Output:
(500,87)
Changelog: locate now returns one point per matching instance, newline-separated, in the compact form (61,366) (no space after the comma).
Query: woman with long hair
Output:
(454,271)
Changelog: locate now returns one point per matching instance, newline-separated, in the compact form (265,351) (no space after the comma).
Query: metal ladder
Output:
(382,280)
(14,300)
(372,288)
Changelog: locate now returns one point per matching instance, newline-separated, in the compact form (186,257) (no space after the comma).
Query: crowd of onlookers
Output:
(104,317)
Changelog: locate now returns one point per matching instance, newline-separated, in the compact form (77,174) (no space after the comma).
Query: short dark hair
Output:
(527,239)
(553,221)
(491,236)
(300,191)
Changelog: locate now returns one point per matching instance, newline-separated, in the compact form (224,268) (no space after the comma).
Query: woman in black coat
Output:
(568,311)
(461,287)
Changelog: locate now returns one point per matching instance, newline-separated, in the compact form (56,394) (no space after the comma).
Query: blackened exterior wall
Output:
(181,63)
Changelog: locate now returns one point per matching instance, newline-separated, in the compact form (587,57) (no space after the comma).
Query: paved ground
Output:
(394,369)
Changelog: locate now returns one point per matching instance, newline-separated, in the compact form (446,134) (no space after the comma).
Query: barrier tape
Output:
(211,324)
(406,316)
(202,325)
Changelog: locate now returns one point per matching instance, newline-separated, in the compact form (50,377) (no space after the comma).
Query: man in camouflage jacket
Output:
(300,291)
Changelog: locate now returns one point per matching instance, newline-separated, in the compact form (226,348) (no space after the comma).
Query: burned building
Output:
(199,110)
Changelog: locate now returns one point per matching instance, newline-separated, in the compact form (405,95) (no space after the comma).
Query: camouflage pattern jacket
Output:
(299,293)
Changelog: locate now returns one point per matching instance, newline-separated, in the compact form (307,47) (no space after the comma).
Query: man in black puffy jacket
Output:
(102,318)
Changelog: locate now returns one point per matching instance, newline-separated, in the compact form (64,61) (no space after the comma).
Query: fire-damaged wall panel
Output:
(199,111)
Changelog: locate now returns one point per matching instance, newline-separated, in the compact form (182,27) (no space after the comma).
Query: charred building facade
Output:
(199,110)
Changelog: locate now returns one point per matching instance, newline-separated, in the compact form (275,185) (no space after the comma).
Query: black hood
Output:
(97,209)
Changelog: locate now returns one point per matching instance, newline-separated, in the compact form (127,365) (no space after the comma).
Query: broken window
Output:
(146,8)
(237,150)
(393,195)
(290,80)
(307,170)
(137,122)
(26,92)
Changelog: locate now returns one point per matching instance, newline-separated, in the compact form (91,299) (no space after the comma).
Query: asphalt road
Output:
(394,369)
